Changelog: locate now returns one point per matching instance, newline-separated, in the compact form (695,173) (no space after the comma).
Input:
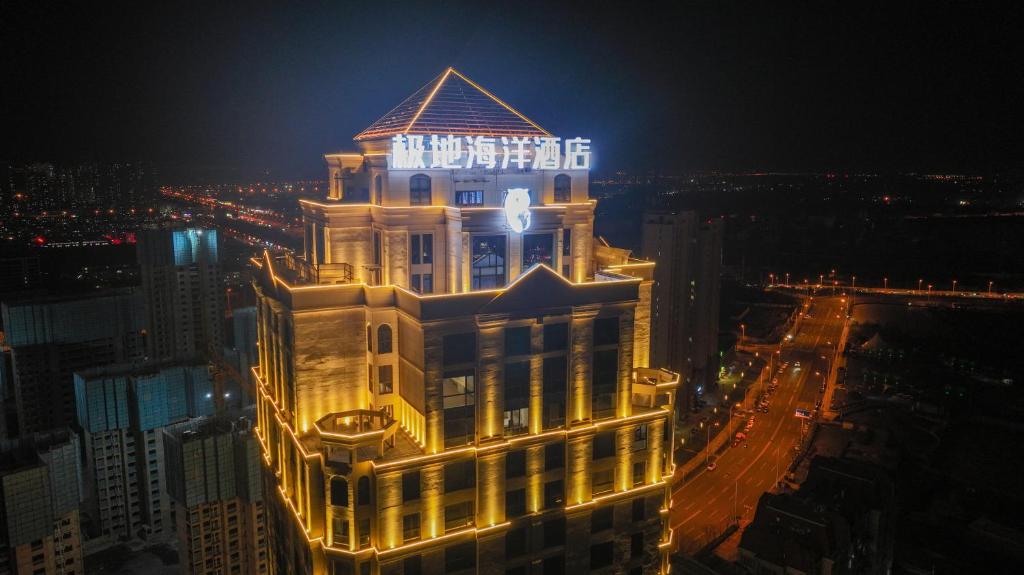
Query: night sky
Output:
(807,86)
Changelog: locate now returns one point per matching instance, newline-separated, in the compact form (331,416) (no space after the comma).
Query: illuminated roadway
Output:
(703,506)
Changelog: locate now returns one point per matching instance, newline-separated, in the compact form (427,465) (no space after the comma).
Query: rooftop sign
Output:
(415,152)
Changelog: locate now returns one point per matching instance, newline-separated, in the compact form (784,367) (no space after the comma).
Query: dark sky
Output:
(698,86)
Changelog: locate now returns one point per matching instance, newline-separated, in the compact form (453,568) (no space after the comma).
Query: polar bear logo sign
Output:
(517,209)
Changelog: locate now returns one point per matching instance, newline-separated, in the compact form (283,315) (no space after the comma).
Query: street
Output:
(703,507)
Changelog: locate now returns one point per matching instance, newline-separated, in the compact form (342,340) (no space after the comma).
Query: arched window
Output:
(384,338)
(369,338)
(363,491)
(339,492)
(378,189)
(563,189)
(419,190)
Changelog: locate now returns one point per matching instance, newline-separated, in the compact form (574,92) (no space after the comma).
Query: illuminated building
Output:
(40,489)
(180,271)
(453,379)
(685,298)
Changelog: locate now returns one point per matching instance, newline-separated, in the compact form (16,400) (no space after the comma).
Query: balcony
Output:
(367,433)
(652,388)
(297,271)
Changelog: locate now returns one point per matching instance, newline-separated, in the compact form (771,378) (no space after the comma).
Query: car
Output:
(797,364)
(766,409)
(736,442)
(712,465)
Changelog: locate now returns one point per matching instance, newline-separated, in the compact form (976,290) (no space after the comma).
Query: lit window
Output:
(470,198)
(419,190)
(563,188)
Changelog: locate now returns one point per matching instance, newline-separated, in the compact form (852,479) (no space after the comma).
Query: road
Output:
(705,505)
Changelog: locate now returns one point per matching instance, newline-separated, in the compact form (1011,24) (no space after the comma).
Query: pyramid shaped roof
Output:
(452,104)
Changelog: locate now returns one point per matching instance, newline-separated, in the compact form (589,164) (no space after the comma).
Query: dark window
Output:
(601,555)
(555,379)
(566,242)
(601,519)
(517,398)
(363,491)
(554,456)
(515,503)
(469,198)
(339,492)
(553,493)
(554,532)
(411,527)
(459,348)
(606,331)
(520,570)
(640,437)
(459,557)
(515,543)
(369,338)
(459,399)
(554,565)
(459,426)
(515,464)
(563,188)
(376,249)
(604,445)
(488,262)
(636,545)
(638,509)
(517,340)
(605,380)
(537,249)
(603,482)
(384,379)
(639,471)
(556,336)
(378,189)
(458,515)
(364,534)
(459,475)
(419,190)
(410,486)
(421,248)
(412,565)
(384,338)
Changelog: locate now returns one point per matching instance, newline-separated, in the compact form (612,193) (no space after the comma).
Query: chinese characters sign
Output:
(413,152)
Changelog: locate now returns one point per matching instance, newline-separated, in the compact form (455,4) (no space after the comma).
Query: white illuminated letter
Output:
(577,154)
(407,152)
(445,152)
(545,153)
(481,150)
(517,209)
(519,155)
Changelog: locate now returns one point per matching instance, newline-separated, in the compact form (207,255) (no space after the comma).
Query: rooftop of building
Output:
(453,104)
(23,452)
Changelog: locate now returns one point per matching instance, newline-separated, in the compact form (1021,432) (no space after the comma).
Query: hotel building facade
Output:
(453,377)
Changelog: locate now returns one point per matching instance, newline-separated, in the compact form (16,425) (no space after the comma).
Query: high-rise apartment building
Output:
(180,271)
(40,487)
(122,411)
(51,338)
(215,481)
(454,377)
(685,299)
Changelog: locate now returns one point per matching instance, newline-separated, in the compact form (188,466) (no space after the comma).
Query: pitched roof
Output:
(452,104)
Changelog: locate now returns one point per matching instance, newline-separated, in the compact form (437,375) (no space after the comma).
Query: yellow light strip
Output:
(422,542)
(429,98)
(617,495)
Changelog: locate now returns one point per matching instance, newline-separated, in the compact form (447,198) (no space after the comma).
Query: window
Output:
(554,565)
(515,543)
(553,493)
(554,532)
(363,491)
(410,527)
(638,509)
(469,198)
(459,348)
(639,472)
(341,533)
(517,398)
(556,336)
(636,545)
(488,262)
(606,331)
(603,482)
(339,492)
(458,515)
(563,189)
(604,383)
(412,565)
(604,445)
(517,340)
(378,189)
(419,190)
(364,533)
(601,519)
(421,257)
(515,464)
(553,389)
(410,486)
(459,475)
(384,381)
(515,503)
(459,398)
(601,555)
(640,437)
(537,249)
(460,557)
(369,338)
(376,248)
(384,338)
(566,251)
(554,456)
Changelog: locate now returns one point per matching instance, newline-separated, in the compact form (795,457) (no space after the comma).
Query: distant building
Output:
(53,337)
(215,483)
(181,281)
(40,487)
(122,411)
(241,355)
(685,301)
(37,187)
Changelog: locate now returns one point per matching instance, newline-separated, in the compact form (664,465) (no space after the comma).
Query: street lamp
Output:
(919,280)
(990,288)
(885,283)
(954,287)
(743,333)
(929,291)
(787,279)
(821,280)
